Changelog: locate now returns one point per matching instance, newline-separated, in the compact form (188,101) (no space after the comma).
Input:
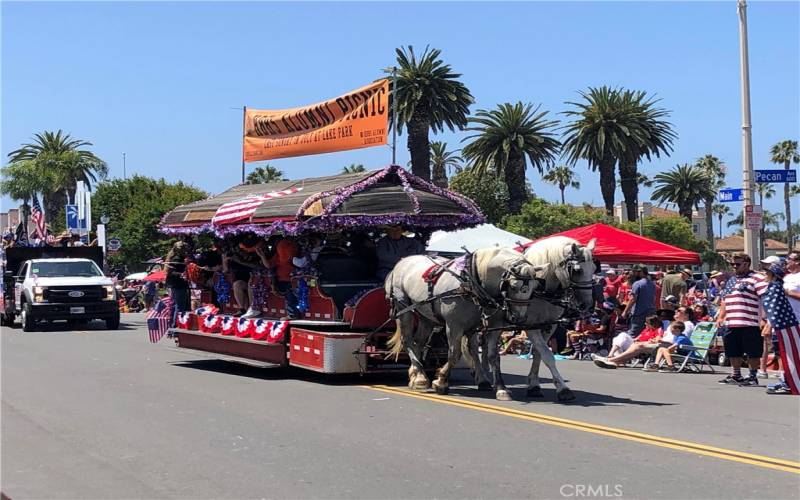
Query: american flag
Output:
(159,319)
(37,216)
(786,326)
(243,208)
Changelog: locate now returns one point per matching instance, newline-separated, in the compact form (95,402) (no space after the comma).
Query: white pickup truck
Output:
(72,289)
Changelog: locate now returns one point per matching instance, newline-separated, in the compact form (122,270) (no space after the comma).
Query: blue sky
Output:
(157,80)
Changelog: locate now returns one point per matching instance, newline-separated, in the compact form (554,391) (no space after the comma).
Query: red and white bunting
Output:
(242,209)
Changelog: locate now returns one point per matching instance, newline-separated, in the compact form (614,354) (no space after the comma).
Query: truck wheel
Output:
(112,323)
(28,322)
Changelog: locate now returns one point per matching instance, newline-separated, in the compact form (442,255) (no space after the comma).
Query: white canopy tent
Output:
(486,235)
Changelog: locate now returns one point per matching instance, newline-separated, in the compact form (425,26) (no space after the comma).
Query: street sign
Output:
(731,195)
(113,245)
(74,222)
(753,216)
(777,176)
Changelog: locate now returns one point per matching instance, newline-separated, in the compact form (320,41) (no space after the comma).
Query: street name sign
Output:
(731,195)
(776,176)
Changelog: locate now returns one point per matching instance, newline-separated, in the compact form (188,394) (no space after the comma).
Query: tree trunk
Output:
(788,208)
(419,145)
(53,203)
(608,184)
(630,189)
(439,176)
(562,188)
(710,223)
(515,180)
(686,212)
(720,227)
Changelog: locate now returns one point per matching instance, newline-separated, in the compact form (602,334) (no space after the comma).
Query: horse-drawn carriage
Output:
(344,321)
(352,320)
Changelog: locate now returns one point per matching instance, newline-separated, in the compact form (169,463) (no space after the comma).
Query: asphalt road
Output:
(104,414)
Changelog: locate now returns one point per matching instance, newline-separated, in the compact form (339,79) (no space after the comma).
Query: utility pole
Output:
(751,246)
(244,120)
(124,167)
(394,115)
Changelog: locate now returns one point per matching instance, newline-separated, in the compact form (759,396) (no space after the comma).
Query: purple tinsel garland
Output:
(328,222)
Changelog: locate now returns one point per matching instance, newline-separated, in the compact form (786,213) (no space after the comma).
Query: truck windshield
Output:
(61,269)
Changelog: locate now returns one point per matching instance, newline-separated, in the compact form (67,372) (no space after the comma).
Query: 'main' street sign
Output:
(731,195)
(778,176)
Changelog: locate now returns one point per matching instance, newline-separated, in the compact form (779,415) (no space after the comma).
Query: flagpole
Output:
(244,120)
(394,115)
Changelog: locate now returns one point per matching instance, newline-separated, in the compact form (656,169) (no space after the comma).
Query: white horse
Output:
(505,277)
(568,270)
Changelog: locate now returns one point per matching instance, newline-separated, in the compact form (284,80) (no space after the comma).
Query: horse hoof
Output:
(503,395)
(535,392)
(565,395)
(441,389)
(484,386)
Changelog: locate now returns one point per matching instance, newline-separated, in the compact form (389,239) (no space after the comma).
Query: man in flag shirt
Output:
(740,312)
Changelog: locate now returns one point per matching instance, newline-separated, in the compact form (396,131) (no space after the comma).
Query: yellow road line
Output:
(687,446)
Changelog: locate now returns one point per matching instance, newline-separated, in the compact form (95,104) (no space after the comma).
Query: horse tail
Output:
(396,342)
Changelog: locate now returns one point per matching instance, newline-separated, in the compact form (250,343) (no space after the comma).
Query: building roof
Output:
(735,243)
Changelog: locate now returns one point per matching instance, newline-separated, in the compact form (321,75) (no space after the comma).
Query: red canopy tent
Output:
(615,246)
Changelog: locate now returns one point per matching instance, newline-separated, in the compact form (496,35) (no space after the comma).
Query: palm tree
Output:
(429,97)
(265,175)
(64,157)
(794,191)
(720,211)
(616,125)
(21,180)
(441,159)
(685,185)
(563,177)
(353,168)
(715,172)
(786,152)
(650,135)
(504,138)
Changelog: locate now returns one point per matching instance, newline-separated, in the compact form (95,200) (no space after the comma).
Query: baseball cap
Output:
(639,267)
(611,271)
(671,299)
(772,259)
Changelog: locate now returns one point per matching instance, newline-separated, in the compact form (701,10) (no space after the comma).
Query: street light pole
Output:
(124,167)
(750,235)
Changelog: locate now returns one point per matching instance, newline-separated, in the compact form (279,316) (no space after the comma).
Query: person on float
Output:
(393,247)
(282,264)
(239,261)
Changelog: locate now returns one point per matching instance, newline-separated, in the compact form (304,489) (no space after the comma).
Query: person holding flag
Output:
(37,217)
(786,327)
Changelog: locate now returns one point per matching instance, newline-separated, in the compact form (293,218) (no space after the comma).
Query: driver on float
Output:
(393,247)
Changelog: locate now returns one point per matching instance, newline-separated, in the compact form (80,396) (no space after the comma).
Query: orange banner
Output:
(358,119)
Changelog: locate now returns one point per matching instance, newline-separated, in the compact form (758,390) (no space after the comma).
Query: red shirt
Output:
(649,334)
(285,251)
(612,286)
(624,294)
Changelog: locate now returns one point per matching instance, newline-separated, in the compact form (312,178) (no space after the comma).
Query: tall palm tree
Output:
(786,153)
(429,97)
(613,126)
(505,139)
(562,176)
(650,135)
(67,159)
(265,175)
(715,172)
(441,159)
(685,185)
(720,210)
(353,168)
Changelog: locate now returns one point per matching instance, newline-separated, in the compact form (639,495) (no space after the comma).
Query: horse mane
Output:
(486,262)
(551,251)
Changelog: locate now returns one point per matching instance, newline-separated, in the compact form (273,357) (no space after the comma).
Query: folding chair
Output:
(703,338)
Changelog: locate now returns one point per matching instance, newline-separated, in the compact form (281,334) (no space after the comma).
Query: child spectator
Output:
(644,343)
(679,344)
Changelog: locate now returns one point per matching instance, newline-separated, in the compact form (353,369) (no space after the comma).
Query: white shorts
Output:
(623,341)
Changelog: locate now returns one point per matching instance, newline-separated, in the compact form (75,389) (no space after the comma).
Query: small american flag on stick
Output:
(159,319)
